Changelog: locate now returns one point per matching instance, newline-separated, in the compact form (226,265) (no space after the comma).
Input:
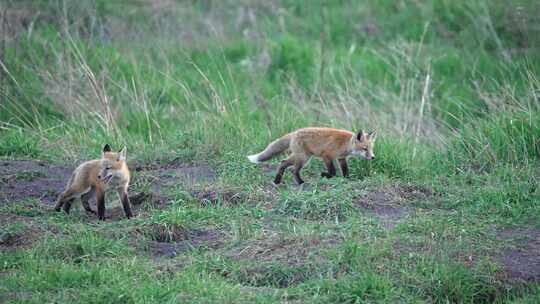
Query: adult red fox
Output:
(326,143)
(95,177)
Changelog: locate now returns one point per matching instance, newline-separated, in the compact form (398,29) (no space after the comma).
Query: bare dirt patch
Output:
(391,203)
(521,262)
(20,180)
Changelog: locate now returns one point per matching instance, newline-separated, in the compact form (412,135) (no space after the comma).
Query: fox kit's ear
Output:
(106,149)
(122,154)
(360,136)
(373,135)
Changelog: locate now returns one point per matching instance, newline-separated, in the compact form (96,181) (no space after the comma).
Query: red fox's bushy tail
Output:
(274,148)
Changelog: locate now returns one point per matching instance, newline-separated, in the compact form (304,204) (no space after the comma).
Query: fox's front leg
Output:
(330,167)
(344,167)
(100,198)
(84,200)
(124,198)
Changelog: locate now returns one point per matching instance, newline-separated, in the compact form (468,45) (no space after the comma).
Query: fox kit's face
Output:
(111,164)
(363,144)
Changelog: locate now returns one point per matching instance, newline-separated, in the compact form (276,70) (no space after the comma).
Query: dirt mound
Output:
(24,237)
(211,196)
(522,261)
(165,233)
(30,179)
(289,251)
(11,241)
(277,262)
(391,203)
(192,239)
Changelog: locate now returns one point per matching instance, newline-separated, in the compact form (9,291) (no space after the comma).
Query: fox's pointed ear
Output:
(360,136)
(372,135)
(106,148)
(122,154)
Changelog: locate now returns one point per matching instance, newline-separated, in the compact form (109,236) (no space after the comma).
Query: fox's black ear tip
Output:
(107,148)
(360,135)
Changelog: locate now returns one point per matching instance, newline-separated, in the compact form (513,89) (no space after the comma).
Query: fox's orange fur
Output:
(95,177)
(326,143)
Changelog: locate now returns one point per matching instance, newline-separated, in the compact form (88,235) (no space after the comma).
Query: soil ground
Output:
(41,182)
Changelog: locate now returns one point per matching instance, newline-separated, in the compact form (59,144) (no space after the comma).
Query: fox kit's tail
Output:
(277,146)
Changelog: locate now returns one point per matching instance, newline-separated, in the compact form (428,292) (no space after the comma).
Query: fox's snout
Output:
(363,155)
(105,177)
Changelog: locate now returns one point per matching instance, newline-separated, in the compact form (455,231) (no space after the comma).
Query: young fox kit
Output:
(326,143)
(95,177)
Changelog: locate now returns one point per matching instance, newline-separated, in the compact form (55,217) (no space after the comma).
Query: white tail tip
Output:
(254,158)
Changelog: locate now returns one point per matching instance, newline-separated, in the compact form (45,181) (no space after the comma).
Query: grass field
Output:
(449,212)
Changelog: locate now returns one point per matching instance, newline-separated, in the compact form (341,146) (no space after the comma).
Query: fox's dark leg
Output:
(67,205)
(67,194)
(59,204)
(63,198)
(84,200)
(330,167)
(344,167)
(122,193)
(284,165)
(297,167)
(100,198)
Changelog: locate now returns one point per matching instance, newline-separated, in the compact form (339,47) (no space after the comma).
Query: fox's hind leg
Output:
(297,167)
(67,205)
(282,167)
(330,167)
(85,198)
(63,198)
(122,193)
(58,206)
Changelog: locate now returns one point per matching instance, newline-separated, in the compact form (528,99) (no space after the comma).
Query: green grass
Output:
(213,81)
